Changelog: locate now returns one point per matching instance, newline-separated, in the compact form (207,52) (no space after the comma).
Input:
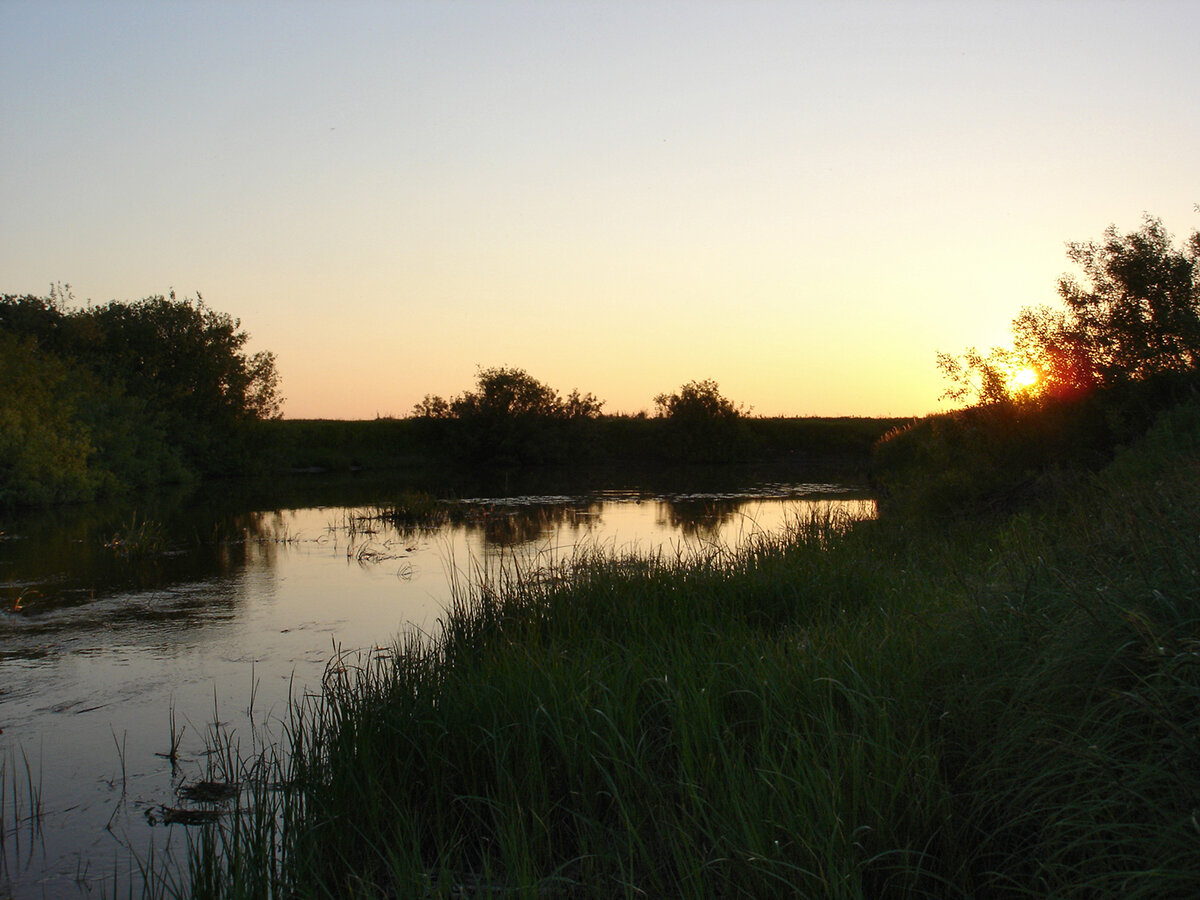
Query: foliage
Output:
(45,448)
(1124,347)
(427,442)
(186,360)
(1134,315)
(512,392)
(704,425)
(697,400)
(986,378)
(432,407)
(510,417)
(581,406)
(1138,309)
(156,387)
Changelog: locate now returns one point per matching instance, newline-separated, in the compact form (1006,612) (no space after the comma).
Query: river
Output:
(127,631)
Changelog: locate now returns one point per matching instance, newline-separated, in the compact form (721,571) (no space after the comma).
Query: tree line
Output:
(512,417)
(102,398)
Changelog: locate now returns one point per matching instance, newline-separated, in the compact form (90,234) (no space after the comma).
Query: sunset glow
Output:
(1024,378)
(804,202)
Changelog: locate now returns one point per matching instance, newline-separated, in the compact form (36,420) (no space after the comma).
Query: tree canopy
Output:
(697,400)
(140,392)
(702,424)
(510,417)
(1133,313)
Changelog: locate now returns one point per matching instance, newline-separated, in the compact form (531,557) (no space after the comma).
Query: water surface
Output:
(218,608)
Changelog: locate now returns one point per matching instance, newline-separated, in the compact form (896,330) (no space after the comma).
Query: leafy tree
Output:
(582,406)
(507,392)
(987,378)
(697,400)
(178,352)
(151,383)
(432,407)
(1134,315)
(703,425)
(511,417)
(1137,311)
(44,447)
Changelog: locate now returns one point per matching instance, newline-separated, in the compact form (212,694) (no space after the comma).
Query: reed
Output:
(175,736)
(20,807)
(137,540)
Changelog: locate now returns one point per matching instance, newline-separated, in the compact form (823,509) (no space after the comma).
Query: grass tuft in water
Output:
(138,540)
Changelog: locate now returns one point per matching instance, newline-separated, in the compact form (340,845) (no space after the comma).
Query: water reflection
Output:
(57,560)
(111,619)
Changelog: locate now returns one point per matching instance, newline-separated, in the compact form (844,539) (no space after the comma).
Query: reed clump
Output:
(998,707)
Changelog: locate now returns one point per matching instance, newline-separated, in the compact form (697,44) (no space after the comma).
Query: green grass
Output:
(999,707)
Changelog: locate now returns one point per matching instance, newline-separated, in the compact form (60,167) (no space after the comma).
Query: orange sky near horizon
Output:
(804,202)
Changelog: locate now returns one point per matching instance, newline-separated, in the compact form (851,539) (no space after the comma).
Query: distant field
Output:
(331,444)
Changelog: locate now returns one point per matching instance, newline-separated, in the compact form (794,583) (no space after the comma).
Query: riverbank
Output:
(331,445)
(1001,705)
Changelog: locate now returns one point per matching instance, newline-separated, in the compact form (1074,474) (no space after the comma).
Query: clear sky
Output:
(804,201)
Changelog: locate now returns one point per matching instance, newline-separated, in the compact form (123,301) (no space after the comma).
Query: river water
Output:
(124,631)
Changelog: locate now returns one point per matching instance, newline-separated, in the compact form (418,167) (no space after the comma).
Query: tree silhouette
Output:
(1133,315)
(703,425)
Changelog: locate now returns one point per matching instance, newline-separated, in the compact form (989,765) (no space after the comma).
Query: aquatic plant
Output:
(20,806)
(138,539)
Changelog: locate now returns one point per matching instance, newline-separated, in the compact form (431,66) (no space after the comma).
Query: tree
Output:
(168,378)
(512,417)
(181,353)
(582,406)
(44,448)
(431,407)
(702,424)
(507,392)
(1137,311)
(987,378)
(697,400)
(1134,315)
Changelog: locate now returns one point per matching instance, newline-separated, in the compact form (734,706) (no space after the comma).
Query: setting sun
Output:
(1024,378)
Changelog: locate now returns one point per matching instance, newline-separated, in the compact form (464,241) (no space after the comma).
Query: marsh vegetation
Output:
(123,634)
(998,707)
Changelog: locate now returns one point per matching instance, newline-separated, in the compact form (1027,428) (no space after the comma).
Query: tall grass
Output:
(880,709)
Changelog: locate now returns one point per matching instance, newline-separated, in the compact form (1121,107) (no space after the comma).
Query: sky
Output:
(803,201)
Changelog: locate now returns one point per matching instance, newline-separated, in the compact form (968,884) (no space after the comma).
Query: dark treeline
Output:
(511,418)
(105,398)
(486,442)
(99,400)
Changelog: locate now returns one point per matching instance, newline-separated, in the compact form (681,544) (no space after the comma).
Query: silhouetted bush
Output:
(703,425)
(1001,455)
(510,418)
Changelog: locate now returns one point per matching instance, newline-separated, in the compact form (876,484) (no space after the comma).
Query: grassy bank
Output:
(999,706)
